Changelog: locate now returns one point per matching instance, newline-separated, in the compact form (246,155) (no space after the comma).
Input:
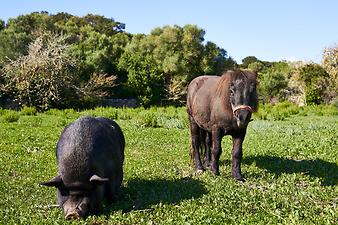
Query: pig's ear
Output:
(54,182)
(95,179)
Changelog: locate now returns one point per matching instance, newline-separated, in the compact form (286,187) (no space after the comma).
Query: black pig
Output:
(90,154)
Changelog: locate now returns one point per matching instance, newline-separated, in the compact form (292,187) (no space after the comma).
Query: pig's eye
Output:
(64,192)
(79,195)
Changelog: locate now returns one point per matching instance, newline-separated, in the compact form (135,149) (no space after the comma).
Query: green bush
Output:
(316,81)
(313,96)
(147,118)
(11,116)
(271,85)
(107,112)
(28,111)
(55,112)
(322,110)
(128,113)
(170,117)
(283,110)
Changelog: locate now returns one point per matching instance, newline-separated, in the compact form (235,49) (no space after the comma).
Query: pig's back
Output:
(86,147)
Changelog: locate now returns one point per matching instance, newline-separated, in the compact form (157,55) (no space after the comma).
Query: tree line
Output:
(66,61)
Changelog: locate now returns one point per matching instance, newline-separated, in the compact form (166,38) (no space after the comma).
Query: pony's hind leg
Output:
(195,144)
(207,148)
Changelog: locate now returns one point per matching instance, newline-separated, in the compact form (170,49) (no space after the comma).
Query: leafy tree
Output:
(330,64)
(73,24)
(95,51)
(33,24)
(215,60)
(316,80)
(103,25)
(248,60)
(257,66)
(2,25)
(47,76)
(179,55)
(13,44)
(271,85)
(170,57)
(281,66)
(144,78)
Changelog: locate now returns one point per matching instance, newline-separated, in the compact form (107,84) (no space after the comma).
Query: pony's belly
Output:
(203,123)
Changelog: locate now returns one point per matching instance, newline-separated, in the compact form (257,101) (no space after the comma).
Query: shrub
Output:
(28,111)
(280,111)
(128,113)
(147,118)
(313,96)
(316,81)
(107,112)
(283,110)
(55,112)
(271,85)
(11,116)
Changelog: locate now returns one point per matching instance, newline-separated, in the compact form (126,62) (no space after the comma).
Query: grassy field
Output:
(290,164)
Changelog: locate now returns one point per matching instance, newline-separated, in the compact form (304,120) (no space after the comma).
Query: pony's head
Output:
(242,96)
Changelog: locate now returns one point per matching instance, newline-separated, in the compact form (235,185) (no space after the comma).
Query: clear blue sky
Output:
(270,30)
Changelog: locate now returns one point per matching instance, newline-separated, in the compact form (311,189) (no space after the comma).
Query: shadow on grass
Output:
(326,171)
(140,195)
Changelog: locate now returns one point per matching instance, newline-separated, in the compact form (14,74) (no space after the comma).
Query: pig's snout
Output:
(81,211)
(72,215)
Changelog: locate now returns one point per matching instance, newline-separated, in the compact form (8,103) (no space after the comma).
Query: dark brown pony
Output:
(219,106)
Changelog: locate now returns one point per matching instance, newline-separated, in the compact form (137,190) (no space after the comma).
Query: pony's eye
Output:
(232,92)
(252,87)
(232,89)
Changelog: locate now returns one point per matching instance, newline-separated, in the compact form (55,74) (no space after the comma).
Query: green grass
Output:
(290,166)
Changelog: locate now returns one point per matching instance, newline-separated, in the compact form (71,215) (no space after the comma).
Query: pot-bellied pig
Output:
(90,154)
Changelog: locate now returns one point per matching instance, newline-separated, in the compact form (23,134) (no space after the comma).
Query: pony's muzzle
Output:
(242,107)
(242,114)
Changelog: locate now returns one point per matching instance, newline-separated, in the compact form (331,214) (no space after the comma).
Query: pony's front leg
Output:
(216,150)
(237,142)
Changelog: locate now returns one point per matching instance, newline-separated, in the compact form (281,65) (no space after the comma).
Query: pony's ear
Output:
(54,182)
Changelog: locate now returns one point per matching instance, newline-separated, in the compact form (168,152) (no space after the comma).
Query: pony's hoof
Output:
(215,172)
(199,171)
(239,178)
(206,164)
